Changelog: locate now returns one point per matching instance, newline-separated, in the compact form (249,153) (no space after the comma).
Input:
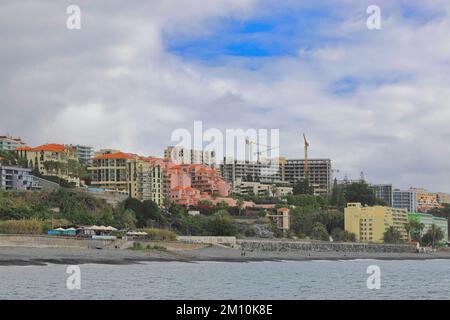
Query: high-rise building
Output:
(370,223)
(9,143)
(384,192)
(181,155)
(17,178)
(405,199)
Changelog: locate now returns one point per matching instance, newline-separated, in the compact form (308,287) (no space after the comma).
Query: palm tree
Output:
(414,229)
(433,236)
(392,235)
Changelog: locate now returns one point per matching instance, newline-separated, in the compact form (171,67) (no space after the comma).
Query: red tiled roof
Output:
(52,147)
(117,155)
(23,149)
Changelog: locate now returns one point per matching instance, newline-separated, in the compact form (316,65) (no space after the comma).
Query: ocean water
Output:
(428,279)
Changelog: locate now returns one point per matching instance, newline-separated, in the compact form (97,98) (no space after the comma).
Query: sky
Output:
(376,101)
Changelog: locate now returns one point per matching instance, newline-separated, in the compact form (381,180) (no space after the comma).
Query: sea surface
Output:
(407,279)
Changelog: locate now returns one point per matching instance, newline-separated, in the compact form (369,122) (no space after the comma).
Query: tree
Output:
(240,205)
(360,192)
(433,236)
(392,235)
(7,158)
(319,232)
(414,229)
(443,212)
(303,187)
(337,196)
(305,200)
(340,235)
(125,219)
(221,224)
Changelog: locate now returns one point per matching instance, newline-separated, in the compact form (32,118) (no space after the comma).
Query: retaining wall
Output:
(284,246)
(208,240)
(42,241)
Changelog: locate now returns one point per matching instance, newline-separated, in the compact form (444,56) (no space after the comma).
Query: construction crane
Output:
(306,158)
(258,153)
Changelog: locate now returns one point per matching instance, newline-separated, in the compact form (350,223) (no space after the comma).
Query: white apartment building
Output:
(181,155)
(17,178)
(9,143)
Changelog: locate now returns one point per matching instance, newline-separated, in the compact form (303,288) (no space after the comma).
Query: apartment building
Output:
(9,143)
(17,178)
(84,153)
(384,192)
(428,220)
(405,199)
(139,177)
(187,184)
(370,223)
(51,160)
(181,155)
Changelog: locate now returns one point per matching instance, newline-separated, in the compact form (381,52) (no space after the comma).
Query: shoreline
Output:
(26,256)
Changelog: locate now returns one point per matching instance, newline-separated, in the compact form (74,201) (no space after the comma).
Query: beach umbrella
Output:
(109,228)
(60,229)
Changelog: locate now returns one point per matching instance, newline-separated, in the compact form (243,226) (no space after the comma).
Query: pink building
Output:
(188,184)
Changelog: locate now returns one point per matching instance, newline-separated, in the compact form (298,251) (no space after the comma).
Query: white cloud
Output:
(113,84)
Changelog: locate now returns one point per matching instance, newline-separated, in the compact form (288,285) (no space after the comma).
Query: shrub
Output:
(160,234)
(22,227)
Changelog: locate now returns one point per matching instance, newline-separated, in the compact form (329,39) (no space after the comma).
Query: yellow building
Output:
(370,223)
(51,160)
(137,176)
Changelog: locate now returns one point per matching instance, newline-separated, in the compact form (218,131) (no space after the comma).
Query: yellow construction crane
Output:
(306,157)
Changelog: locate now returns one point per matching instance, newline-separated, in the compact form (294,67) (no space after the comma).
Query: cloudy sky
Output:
(376,101)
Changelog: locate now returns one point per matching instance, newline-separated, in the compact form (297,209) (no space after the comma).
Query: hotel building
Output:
(139,177)
(51,160)
(370,223)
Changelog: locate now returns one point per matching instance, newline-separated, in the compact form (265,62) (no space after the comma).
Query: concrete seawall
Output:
(287,246)
(43,241)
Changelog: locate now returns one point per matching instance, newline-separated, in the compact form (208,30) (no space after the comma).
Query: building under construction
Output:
(279,170)
(282,171)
